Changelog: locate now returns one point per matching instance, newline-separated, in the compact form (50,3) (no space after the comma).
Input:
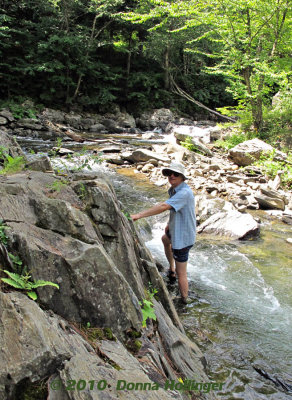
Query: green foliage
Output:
(271,167)
(147,306)
(127,215)
(231,141)
(24,283)
(10,164)
(13,165)
(188,144)
(277,121)
(57,185)
(82,191)
(19,108)
(18,268)
(3,236)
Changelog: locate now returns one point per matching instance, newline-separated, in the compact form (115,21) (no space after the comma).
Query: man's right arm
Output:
(157,209)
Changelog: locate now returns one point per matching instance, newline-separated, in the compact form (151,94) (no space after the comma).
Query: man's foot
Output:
(171,276)
(184,300)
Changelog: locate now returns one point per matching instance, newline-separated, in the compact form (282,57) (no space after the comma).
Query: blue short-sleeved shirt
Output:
(182,218)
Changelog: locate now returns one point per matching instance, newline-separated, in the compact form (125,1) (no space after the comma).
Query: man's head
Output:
(175,173)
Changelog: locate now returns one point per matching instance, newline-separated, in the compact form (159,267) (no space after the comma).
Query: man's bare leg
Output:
(181,270)
(168,252)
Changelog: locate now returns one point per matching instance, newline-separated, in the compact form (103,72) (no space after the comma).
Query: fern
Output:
(23,282)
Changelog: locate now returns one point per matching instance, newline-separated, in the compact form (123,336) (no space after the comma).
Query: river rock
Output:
(249,151)
(97,128)
(182,132)
(270,199)
(158,118)
(30,123)
(126,120)
(205,207)
(143,155)
(231,224)
(39,163)
(53,115)
(7,115)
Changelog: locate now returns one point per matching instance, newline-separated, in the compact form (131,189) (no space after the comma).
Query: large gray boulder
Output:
(158,118)
(55,233)
(248,152)
(37,345)
(181,132)
(230,224)
(270,199)
(206,207)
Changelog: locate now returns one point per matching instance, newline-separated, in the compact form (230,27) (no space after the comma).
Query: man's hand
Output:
(135,217)
(166,228)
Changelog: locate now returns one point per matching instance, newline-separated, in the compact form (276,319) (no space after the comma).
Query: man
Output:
(180,231)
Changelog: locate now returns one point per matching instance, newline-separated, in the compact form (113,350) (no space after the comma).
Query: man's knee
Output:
(165,240)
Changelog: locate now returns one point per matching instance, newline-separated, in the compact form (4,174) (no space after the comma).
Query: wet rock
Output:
(62,151)
(143,155)
(287,217)
(111,149)
(231,224)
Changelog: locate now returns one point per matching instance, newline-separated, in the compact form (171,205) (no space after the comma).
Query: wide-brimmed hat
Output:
(175,167)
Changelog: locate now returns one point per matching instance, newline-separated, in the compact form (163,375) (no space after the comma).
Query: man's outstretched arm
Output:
(157,209)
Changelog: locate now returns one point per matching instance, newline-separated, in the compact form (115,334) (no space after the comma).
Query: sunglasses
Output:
(168,172)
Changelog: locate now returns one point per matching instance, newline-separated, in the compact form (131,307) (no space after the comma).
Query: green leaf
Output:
(12,283)
(32,295)
(16,278)
(39,283)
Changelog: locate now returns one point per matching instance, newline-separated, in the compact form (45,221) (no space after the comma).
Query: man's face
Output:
(175,180)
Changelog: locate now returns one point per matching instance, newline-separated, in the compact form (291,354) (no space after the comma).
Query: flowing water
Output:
(241,301)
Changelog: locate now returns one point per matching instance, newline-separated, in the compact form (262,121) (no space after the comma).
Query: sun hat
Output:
(175,167)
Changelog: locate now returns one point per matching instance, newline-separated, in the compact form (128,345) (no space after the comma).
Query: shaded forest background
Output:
(91,54)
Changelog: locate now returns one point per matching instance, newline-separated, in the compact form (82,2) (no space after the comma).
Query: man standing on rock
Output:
(180,232)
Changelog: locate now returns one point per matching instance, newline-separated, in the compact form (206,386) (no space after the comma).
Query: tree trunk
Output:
(256,104)
(166,67)
(129,56)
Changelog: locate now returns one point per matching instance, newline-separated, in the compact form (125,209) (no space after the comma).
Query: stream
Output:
(240,313)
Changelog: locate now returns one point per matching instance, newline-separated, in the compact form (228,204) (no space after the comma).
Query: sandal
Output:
(171,275)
